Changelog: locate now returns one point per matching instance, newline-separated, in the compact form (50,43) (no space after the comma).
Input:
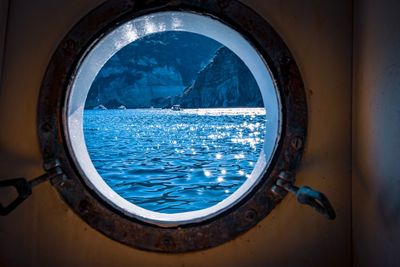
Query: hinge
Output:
(24,187)
(304,194)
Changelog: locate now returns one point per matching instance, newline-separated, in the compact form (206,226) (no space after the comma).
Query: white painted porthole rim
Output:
(128,32)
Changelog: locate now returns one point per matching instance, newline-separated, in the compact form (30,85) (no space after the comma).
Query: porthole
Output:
(108,144)
(202,154)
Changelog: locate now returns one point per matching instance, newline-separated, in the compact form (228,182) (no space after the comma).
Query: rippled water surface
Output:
(174,161)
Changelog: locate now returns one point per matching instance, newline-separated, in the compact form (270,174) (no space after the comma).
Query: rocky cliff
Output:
(174,68)
(151,70)
(224,82)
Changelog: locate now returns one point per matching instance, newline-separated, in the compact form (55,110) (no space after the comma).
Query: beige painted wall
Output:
(45,232)
(3,30)
(376,134)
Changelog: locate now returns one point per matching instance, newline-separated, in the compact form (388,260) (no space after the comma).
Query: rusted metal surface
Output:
(133,232)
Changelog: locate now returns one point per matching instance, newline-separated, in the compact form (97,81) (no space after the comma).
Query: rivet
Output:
(250,215)
(224,4)
(130,4)
(297,143)
(63,179)
(285,60)
(69,45)
(84,206)
(46,127)
(167,241)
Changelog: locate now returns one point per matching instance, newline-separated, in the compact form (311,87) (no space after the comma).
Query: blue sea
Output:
(174,161)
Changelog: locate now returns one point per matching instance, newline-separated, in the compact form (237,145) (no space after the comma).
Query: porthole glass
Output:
(172,117)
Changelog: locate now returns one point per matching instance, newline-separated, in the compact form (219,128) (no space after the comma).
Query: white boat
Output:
(176,107)
(100,107)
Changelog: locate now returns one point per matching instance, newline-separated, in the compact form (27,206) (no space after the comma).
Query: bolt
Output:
(250,215)
(130,4)
(63,179)
(297,143)
(224,4)
(284,60)
(51,164)
(46,127)
(69,45)
(84,206)
(285,175)
(167,241)
(278,191)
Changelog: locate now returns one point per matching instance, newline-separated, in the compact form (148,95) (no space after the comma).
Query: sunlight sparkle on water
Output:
(239,156)
(226,111)
(166,161)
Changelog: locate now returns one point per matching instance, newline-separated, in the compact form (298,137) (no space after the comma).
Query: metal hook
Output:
(24,188)
(308,196)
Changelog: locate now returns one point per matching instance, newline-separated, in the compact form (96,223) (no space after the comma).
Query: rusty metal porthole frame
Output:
(226,226)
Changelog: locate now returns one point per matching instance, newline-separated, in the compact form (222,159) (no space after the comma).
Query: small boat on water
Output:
(100,107)
(176,108)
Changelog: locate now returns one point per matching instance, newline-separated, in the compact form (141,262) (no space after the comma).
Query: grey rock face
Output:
(150,70)
(224,82)
(170,68)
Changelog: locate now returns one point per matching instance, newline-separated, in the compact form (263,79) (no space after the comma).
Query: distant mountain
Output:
(154,67)
(174,68)
(224,82)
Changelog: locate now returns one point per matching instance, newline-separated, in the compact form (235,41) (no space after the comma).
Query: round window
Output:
(175,128)
(174,121)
